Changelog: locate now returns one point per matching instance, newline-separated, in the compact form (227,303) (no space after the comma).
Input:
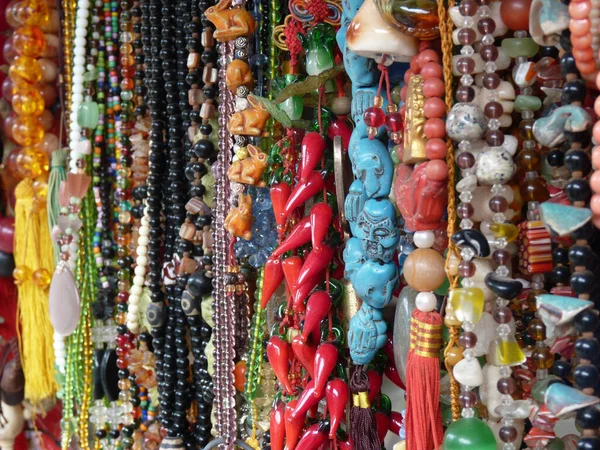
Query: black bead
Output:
(588,443)
(587,348)
(585,376)
(578,190)
(586,321)
(588,418)
(561,368)
(560,255)
(573,91)
(560,275)
(555,158)
(583,282)
(578,161)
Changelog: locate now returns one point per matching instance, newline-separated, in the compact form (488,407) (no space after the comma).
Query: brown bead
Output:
(506,386)
(466,36)
(501,257)
(490,81)
(424,270)
(486,25)
(529,160)
(498,204)
(494,138)
(502,314)
(526,129)
(465,94)
(465,160)
(533,189)
(465,210)
(454,355)
(465,65)
(493,110)
(542,357)
(467,7)
(466,269)
(515,14)
(467,339)
(537,330)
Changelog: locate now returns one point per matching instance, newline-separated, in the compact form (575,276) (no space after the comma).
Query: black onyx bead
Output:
(560,275)
(578,161)
(114,434)
(555,158)
(560,255)
(581,255)
(587,348)
(588,443)
(550,51)
(588,418)
(561,369)
(506,288)
(573,91)
(583,282)
(585,376)
(586,321)
(584,232)
(101,434)
(578,190)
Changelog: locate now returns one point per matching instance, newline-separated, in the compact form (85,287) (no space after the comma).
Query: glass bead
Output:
(31,162)
(529,160)
(468,339)
(33,12)
(27,131)
(28,101)
(25,70)
(374,117)
(467,303)
(469,433)
(505,351)
(542,357)
(21,274)
(498,203)
(394,122)
(88,115)
(537,330)
(502,315)
(505,230)
(515,47)
(508,434)
(468,399)
(42,278)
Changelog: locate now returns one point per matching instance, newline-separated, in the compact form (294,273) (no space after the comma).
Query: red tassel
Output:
(423,412)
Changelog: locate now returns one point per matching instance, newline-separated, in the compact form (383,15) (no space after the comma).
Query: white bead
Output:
(134,327)
(424,239)
(73,247)
(60,362)
(145,222)
(141,261)
(79,51)
(142,251)
(84,4)
(140,271)
(138,280)
(133,308)
(144,230)
(80,32)
(143,240)
(83,13)
(134,300)
(77,89)
(81,22)
(77,98)
(136,290)
(80,42)
(79,60)
(426,301)
(78,70)
(132,317)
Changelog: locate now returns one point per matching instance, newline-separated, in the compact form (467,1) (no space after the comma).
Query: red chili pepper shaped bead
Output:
(336,393)
(279,353)
(303,290)
(314,437)
(325,360)
(315,263)
(277,428)
(271,280)
(304,190)
(396,422)
(383,425)
(321,215)
(291,269)
(299,235)
(306,401)
(313,147)
(375,382)
(305,353)
(317,307)
(341,128)
(279,196)
(293,426)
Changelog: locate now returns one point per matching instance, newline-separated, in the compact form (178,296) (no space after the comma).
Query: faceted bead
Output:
(507,231)
(467,303)
(469,433)
(88,115)
(374,117)
(505,351)
(515,47)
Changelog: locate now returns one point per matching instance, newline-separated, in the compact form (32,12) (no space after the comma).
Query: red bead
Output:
(394,123)
(374,117)
(121,340)
(121,363)
(122,297)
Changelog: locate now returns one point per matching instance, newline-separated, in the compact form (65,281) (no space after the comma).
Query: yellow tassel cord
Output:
(33,251)
(453,325)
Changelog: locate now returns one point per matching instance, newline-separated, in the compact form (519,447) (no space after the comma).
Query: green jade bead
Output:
(527,103)
(87,115)
(469,434)
(515,47)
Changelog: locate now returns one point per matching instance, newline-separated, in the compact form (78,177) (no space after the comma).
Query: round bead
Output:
(426,301)
(424,270)
(374,117)
(515,14)
(424,239)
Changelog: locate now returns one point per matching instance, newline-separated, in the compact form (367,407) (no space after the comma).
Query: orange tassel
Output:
(423,412)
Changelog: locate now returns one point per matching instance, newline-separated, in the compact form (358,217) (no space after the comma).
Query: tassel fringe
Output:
(363,428)
(57,176)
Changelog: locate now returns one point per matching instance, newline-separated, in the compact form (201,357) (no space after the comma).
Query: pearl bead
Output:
(138,280)
(78,98)
(134,327)
(83,13)
(142,251)
(145,222)
(144,230)
(132,317)
(78,70)
(136,290)
(424,239)
(133,309)
(143,240)
(426,301)
(141,261)
(134,300)
(140,271)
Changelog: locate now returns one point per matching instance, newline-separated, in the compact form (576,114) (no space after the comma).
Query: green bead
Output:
(469,434)
(394,155)
(87,115)
(515,47)
(527,102)
(556,444)
(293,107)
(539,389)
(90,75)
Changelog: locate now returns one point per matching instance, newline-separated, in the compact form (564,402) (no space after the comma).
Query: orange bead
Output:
(25,70)
(40,189)
(28,101)
(31,162)
(33,12)
(240,375)
(27,131)
(29,41)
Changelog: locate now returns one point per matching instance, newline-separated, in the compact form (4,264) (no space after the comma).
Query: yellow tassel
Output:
(33,249)
(253,442)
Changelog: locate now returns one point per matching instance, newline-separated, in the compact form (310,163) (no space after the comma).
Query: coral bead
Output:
(29,41)
(374,117)
(27,131)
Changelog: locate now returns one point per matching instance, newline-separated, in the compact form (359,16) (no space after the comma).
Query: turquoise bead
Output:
(87,115)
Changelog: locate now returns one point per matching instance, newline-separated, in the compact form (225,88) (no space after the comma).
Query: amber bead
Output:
(25,70)
(515,14)
(29,41)
(542,358)
(32,12)
(454,355)
(31,162)
(21,274)
(42,278)
(529,160)
(28,101)
(27,131)
(525,132)
(537,330)
(533,189)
